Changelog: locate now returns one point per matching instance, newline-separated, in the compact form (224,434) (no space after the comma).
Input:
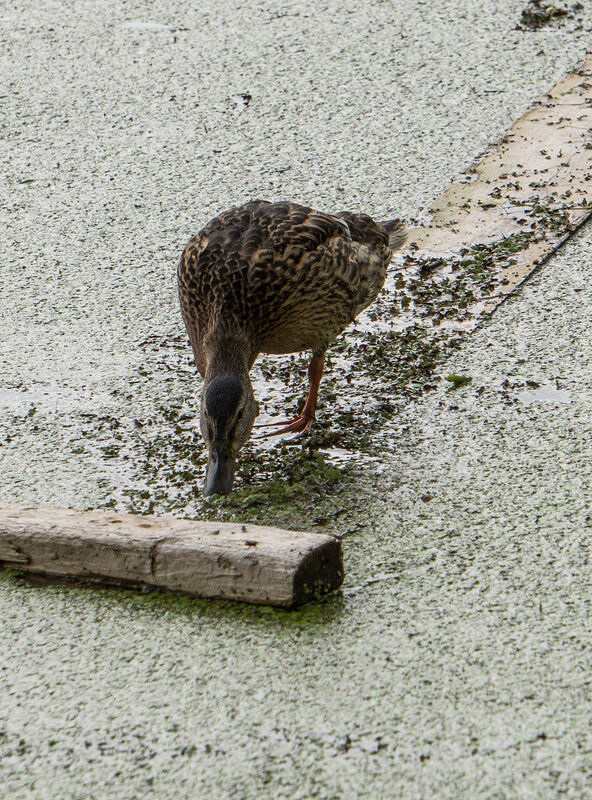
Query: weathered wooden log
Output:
(225,560)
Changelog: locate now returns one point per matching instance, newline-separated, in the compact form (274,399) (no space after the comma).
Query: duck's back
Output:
(292,278)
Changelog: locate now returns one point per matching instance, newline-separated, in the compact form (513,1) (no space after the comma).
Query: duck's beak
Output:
(220,474)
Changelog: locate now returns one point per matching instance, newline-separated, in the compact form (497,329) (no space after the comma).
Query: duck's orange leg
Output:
(303,422)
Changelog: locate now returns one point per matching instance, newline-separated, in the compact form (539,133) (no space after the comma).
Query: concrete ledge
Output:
(532,189)
(225,560)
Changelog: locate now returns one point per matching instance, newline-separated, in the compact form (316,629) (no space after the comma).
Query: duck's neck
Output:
(228,355)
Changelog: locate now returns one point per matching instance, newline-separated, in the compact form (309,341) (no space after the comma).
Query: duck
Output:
(277,278)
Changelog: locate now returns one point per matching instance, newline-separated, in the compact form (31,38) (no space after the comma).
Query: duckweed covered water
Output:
(455,664)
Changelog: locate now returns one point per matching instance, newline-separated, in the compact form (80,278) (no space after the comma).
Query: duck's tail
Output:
(397,233)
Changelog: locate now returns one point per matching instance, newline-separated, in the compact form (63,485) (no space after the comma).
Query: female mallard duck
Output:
(272,278)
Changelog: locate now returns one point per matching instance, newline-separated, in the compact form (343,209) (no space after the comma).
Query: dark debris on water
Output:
(539,14)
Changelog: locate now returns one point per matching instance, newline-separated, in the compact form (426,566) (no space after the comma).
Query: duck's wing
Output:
(313,273)
(275,226)
(372,246)
(282,267)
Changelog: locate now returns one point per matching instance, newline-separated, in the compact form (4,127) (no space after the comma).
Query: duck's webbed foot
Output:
(303,422)
(299,425)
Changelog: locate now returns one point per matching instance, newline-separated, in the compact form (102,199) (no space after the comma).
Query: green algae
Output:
(162,603)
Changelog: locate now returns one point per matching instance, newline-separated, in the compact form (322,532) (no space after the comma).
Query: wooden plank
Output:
(504,215)
(251,563)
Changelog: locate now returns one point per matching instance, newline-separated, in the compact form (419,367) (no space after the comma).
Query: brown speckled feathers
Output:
(286,277)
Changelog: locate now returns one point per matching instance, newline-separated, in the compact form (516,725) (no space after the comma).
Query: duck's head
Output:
(228,411)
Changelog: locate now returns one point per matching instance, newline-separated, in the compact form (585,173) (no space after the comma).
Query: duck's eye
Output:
(239,415)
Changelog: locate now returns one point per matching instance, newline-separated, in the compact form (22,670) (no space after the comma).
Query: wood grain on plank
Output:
(240,562)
